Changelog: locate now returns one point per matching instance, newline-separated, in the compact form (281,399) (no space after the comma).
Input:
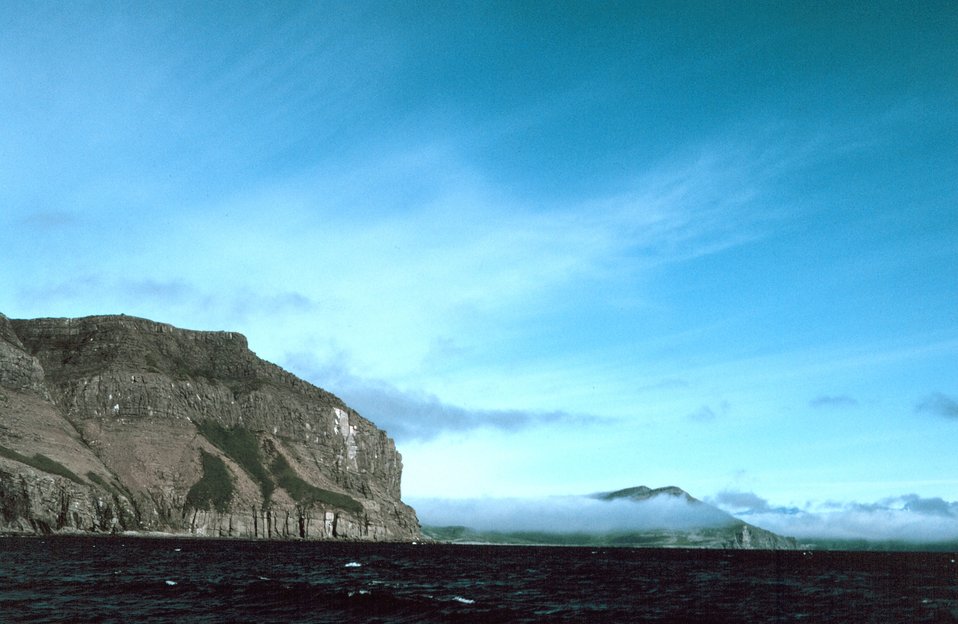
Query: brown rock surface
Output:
(114,423)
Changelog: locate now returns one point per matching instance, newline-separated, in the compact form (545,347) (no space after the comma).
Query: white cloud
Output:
(737,501)
(908,518)
(567,514)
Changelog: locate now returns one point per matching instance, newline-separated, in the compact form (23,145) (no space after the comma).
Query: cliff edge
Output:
(117,423)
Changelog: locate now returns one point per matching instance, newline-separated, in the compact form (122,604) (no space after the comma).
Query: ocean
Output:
(125,579)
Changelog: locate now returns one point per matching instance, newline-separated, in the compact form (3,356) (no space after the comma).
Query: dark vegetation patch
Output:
(305,493)
(215,488)
(113,488)
(244,386)
(222,366)
(151,364)
(240,386)
(240,379)
(42,462)
(240,445)
(95,478)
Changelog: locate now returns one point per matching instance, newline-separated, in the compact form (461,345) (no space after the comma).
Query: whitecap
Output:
(463,600)
(353,564)
(171,583)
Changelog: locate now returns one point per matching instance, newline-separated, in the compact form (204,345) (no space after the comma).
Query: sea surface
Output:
(125,579)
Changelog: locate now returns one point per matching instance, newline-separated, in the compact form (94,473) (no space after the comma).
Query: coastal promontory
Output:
(120,424)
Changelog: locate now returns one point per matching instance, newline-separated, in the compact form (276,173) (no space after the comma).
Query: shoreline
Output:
(806,550)
(163,535)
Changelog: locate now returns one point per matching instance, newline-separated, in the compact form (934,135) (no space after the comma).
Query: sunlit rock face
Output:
(115,423)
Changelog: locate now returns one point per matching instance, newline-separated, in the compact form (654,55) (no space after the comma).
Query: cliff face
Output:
(115,423)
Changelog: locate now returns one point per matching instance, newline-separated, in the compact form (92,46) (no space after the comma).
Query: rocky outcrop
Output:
(644,493)
(116,423)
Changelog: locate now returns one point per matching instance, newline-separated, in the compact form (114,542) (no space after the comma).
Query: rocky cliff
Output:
(116,423)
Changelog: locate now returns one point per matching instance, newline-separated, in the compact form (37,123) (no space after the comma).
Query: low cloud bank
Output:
(567,514)
(907,518)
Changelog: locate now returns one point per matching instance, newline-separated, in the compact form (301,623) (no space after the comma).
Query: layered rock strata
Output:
(116,423)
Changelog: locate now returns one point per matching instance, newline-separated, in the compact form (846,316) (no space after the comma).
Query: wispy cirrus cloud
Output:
(703,414)
(828,400)
(415,230)
(49,219)
(707,413)
(157,290)
(157,299)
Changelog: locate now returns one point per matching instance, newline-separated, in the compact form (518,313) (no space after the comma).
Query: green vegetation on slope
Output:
(241,445)
(41,462)
(305,493)
(215,488)
(106,485)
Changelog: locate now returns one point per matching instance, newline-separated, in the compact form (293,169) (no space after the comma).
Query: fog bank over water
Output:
(908,518)
(567,514)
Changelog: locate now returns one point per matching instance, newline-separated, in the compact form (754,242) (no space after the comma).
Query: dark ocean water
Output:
(121,579)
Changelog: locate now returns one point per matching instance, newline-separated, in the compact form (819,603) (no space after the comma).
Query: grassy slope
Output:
(242,446)
(41,462)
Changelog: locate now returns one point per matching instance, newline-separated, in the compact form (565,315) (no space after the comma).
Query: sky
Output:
(551,248)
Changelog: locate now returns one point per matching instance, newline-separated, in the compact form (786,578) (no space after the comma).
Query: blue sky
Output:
(552,248)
